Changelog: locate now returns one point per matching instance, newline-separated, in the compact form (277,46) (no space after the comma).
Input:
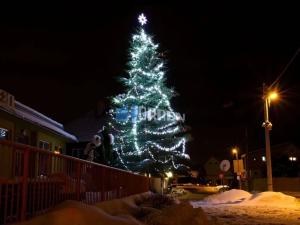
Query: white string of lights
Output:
(139,93)
(170,131)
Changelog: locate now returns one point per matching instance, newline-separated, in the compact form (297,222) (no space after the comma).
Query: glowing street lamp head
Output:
(273,95)
(169,174)
(234,151)
(142,19)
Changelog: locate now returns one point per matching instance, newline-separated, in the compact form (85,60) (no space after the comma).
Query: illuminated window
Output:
(263,158)
(57,150)
(293,158)
(44,145)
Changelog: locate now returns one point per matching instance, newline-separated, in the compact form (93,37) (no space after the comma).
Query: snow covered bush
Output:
(159,201)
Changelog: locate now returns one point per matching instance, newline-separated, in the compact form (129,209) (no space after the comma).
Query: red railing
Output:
(34,180)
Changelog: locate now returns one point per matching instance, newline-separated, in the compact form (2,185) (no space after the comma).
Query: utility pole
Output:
(268,126)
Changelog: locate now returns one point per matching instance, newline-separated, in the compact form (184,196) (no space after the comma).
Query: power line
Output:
(285,68)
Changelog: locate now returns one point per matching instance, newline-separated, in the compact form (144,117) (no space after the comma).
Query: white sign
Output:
(225,165)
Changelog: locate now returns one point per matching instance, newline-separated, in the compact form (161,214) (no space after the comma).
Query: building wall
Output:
(288,184)
(35,133)
(256,163)
(10,126)
(53,140)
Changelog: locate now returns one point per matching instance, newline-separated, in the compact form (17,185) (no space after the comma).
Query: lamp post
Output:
(168,176)
(268,96)
(238,175)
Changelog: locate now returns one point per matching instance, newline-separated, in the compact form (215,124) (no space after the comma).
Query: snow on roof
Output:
(26,113)
(26,108)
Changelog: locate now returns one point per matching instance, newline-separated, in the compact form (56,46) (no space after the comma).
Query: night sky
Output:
(62,59)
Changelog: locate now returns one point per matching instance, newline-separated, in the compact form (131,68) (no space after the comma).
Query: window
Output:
(3,134)
(44,145)
(57,149)
(23,137)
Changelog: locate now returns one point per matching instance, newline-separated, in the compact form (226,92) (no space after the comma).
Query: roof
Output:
(26,113)
(87,126)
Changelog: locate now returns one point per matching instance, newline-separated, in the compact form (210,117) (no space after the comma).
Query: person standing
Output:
(90,149)
(106,147)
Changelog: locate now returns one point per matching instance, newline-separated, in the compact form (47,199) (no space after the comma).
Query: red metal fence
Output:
(34,180)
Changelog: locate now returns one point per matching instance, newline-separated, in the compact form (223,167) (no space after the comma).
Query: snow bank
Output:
(231,196)
(241,197)
(272,198)
(72,212)
(126,211)
(123,206)
(181,214)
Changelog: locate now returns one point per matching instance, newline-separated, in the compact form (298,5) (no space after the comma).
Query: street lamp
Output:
(234,151)
(268,96)
(238,175)
(169,174)
(166,179)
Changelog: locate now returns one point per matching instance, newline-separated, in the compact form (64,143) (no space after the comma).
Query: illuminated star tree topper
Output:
(142,19)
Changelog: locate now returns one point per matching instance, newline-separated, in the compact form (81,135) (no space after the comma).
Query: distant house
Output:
(212,168)
(85,127)
(20,123)
(285,157)
(213,171)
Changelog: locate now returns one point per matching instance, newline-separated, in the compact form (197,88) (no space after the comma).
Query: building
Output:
(285,161)
(285,168)
(213,172)
(85,127)
(22,124)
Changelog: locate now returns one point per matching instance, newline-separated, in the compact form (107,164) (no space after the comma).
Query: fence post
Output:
(24,185)
(102,183)
(78,178)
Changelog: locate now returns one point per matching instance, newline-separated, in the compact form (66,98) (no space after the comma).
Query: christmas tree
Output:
(148,135)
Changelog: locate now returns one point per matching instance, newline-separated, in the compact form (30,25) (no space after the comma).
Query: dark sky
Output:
(61,59)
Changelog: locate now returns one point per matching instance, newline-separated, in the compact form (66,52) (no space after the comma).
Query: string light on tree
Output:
(154,144)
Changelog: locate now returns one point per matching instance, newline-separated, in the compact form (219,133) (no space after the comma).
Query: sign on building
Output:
(7,100)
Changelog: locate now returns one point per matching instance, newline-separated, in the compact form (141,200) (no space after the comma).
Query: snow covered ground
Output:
(237,207)
(139,209)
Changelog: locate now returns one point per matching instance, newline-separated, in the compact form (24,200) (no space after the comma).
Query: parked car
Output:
(200,188)
(177,191)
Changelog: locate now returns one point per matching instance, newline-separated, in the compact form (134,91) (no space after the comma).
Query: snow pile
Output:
(272,198)
(231,196)
(133,210)
(241,197)
(181,214)
(72,212)
(236,207)
(127,205)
